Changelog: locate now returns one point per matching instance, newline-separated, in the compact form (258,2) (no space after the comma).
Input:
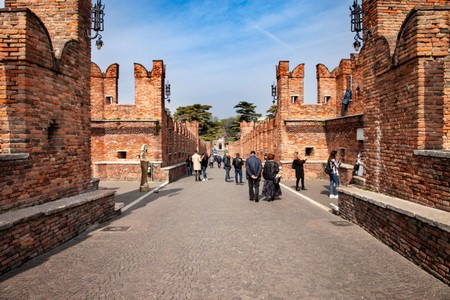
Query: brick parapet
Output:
(52,223)
(417,232)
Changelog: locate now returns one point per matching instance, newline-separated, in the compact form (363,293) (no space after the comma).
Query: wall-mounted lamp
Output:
(97,23)
(274,93)
(167,92)
(356,15)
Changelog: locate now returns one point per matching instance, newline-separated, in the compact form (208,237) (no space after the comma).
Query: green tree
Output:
(231,128)
(246,112)
(196,112)
(271,112)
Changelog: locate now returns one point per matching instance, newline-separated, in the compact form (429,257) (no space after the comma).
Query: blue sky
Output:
(222,52)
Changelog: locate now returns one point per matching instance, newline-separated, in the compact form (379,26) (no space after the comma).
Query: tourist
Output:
(219,161)
(211,161)
(271,188)
(334,176)
(189,165)
(297,164)
(238,162)
(204,164)
(253,171)
(227,166)
(196,162)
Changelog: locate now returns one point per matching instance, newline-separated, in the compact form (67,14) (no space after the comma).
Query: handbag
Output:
(277,179)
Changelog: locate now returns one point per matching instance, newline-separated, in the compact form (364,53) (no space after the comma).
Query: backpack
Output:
(238,162)
(328,169)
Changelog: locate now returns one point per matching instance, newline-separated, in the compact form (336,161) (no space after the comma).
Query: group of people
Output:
(255,170)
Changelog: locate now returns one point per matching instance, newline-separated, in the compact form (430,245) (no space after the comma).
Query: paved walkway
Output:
(206,240)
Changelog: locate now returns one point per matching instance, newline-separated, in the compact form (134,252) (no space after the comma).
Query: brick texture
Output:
(119,131)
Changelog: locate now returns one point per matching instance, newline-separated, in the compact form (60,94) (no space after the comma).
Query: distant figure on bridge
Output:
(189,165)
(271,188)
(297,164)
(196,162)
(334,176)
(219,161)
(227,165)
(253,175)
(204,163)
(238,162)
(211,161)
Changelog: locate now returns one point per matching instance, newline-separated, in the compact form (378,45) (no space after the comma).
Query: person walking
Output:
(253,171)
(227,166)
(189,165)
(196,162)
(219,161)
(334,175)
(211,161)
(204,163)
(271,188)
(297,164)
(238,162)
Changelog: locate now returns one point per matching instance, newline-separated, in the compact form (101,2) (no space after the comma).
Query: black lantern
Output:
(356,16)
(167,92)
(97,25)
(274,93)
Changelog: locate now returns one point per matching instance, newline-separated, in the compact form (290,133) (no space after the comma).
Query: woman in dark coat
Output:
(297,164)
(271,189)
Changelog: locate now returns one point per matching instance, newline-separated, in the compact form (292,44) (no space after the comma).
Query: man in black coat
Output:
(253,174)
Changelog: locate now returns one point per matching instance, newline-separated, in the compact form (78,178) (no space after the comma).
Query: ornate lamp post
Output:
(356,15)
(274,93)
(167,92)
(97,23)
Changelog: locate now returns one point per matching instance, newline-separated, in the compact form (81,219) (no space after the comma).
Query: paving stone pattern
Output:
(206,240)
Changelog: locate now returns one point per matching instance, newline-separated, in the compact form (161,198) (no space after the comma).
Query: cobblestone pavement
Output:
(206,240)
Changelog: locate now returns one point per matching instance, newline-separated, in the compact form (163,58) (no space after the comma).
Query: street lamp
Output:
(356,14)
(274,93)
(98,23)
(167,92)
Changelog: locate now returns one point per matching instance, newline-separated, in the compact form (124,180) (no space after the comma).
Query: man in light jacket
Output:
(196,161)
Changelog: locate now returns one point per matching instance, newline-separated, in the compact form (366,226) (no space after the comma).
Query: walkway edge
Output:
(307,198)
(144,196)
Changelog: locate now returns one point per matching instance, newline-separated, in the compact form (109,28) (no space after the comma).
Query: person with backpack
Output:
(334,173)
(238,162)
(219,161)
(271,187)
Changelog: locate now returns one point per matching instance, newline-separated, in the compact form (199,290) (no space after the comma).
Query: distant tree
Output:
(246,112)
(196,112)
(231,128)
(271,112)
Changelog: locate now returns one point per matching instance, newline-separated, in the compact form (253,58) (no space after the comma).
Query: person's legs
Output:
(336,183)
(296,183)
(227,174)
(236,175)
(251,192)
(240,175)
(331,185)
(303,182)
(256,186)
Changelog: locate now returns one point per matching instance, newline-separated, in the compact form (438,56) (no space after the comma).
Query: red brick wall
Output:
(44,103)
(298,126)
(421,243)
(407,103)
(126,128)
(49,231)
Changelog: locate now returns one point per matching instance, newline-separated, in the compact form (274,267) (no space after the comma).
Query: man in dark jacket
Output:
(227,166)
(253,174)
